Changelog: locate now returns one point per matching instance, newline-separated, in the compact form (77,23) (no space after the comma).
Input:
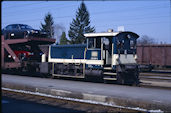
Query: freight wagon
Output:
(154,56)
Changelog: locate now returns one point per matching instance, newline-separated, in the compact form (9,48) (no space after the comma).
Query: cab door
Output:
(107,51)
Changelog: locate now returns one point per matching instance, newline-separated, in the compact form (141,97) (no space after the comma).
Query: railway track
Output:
(157,79)
(154,76)
(75,105)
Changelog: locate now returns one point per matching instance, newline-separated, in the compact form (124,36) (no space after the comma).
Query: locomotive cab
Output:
(114,47)
(102,45)
(117,52)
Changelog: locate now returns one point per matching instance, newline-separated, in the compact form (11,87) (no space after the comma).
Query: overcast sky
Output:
(151,18)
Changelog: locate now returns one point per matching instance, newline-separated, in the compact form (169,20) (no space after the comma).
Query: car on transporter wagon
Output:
(25,53)
(16,31)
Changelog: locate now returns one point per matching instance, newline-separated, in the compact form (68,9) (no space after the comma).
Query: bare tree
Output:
(146,40)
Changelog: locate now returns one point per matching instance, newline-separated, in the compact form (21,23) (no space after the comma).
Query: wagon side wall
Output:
(157,55)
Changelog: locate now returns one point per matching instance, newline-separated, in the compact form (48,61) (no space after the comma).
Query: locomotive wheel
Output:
(136,79)
(53,77)
(120,79)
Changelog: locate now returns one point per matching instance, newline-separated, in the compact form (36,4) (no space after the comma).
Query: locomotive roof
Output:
(109,34)
(70,45)
(101,34)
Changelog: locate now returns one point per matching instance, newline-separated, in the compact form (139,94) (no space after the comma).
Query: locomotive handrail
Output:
(85,51)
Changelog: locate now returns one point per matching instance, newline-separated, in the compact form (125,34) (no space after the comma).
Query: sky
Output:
(151,18)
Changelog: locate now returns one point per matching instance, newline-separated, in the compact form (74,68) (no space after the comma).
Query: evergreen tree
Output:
(48,26)
(63,39)
(80,25)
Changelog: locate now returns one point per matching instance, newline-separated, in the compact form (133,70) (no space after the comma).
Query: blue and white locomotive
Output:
(108,56)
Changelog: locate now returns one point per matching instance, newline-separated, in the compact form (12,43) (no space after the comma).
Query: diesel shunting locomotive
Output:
(108,56)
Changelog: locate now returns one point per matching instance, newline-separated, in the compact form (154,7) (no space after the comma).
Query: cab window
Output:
(91,43)
(94,42)
(132,44)
(120,44)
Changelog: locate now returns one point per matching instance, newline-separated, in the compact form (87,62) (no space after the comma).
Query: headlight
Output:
(135,57)
(117,58)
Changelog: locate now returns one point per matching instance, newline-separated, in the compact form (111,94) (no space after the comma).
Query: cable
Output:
(123,11)
(55,7)
(139,18)
(23,5)
(134,23)
(94,14)
(56,18)
(63,16)
(134,9)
